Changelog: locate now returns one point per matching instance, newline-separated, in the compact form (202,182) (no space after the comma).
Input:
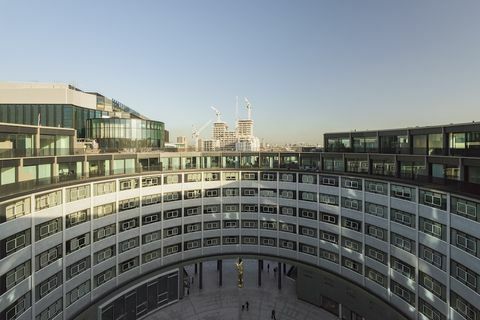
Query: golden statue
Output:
(239,266)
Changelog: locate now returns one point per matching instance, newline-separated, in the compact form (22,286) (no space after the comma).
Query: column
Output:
(279,275)
(200,282)
(260,267)
(220,272)
(182,282)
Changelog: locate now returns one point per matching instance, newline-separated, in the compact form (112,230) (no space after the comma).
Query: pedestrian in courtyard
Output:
(246,303)
(268,267)
(273,315)
(243,307)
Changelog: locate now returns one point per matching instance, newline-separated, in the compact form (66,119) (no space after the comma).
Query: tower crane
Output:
(196,133)
(217,113)
(249,109)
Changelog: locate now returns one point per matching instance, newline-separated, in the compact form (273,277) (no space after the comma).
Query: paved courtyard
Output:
(225,303)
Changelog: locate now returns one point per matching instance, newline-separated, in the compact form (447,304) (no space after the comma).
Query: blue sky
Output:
(307,66)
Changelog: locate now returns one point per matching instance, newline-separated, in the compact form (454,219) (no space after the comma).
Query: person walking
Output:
(243,307)
(268,267)
(246,303)
(273,315)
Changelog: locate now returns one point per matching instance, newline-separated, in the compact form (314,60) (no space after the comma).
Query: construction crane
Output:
(196,133)
(249,109)
(217,113)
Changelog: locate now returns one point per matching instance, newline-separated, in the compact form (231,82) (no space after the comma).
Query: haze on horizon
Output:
(307,67)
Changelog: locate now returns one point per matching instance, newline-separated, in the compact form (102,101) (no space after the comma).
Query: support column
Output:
(200,282)
(182,282)
(220,272)
(260,268)
(279,275)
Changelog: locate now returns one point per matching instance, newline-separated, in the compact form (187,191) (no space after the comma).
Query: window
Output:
(76,218)
(104,254)
(431,256)
(48,285)
(376,254)
(193,194)
(171,232)
(128,204)
(309,232)
(104,210)
(286,244)
(264,241)
(249,224)
(171,196)
(78,267)
(151,181)
(171,214)
(328,236)
(249,208)
(287,194)
(465,208)
(212,176)
(464,241)
(151,237)
(328,181)
(329,255)
(192,211)
(231,176)
(352,265)
(211,208)
(309,214)
(402,192)
(352,244)
(51,311)
(329,218)
(249,176)
(104,276)
(463,307)
(249,192)
(403,243)
(78,292)
(211,225)
(269,225)
(432,285)
(230,208)
(230,192)
(128,265)
(377,232)
(288,211)
(428,311)
(287,177)
(308,196)
(210,193)
(17,274)
(432,228)
(17,241)
(402,267)
(269,176)
(230,240)
(433,199)
(286,227)
(249,240)
(104,188)
(194,227)
(48,200)
(329,199)
(376,187)
(375,209)
(151,218)
(353,204)
(464,275)
(227,224)
(352,224)
(269,193)
(14,310)
(352,184)
(194,244)
(172,249)
(104,232)
(128,244)
(209,242)
(376,276)
(403,292)
(264,208)
(17,209)
(151,255)
(172,179)
(193,177)
(78,242)
(128,184)
(403,217)
(310,179)
(151,199)
(47,257)
(48,228)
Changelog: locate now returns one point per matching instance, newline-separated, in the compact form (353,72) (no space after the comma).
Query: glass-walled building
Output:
(121,134)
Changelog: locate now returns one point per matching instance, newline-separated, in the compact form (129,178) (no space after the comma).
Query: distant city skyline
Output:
(308,67)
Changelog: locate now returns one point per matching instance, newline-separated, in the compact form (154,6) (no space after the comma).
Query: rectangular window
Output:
(18,208)
(151,237)
(403,243)
(171,214)
(48,285)
(210,193)
(76,218)
(104,188)
(402,192)
(211,225)
(171,232)
(464,241)
(249,240)
(228,224)
(172,249)
(17,274)
(376,187)
(47,257)
(104,210)
(249,176)
(16,309)
(78,267)
(104,232)
(51,311)
(151,199)
(308,214)
(287,177)
(289,211)
(128,244)
(309,232)
(405,218)
(328,199)
(352,224)
(192,211)
(376,209)
(402,267)
(151,181)
(128,184)
(352,265)
(78,242)
(352,244)
(328,236)
(48,200)
(249,192)
(230,192)
(212,176)
(308,196)
(431,256)
(209,242)
(104,276)
(433,199)
(151,218)
(329,181)
(17,241)
(376,254)
(151,255)
(211,209)
(104,254)
(128,204)
(377,232)
(48,228)
(128,265)
(329,255)
(465,208)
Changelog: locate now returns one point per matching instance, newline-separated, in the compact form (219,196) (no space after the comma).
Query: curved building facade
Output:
(412,249)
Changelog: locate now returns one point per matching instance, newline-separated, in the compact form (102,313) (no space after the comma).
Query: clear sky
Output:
(307,66)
